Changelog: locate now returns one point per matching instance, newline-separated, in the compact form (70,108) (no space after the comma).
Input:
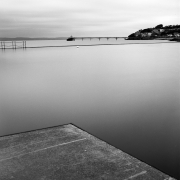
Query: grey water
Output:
(125,94)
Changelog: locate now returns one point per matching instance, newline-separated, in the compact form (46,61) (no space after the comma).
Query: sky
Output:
(62,18)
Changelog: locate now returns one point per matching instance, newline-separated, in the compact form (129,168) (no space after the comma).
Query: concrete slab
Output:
(68,153)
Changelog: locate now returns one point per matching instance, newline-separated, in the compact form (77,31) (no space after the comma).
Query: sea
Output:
(124,92)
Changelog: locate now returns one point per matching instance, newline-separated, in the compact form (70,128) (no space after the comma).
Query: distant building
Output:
(169,35)
(161,30)
(137,33)
(176,34)
(143,34)
(155,31)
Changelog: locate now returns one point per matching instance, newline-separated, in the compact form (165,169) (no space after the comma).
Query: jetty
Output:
(69,153)
(91,38)
(12,44)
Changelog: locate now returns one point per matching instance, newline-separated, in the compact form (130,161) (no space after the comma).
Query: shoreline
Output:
(163,38)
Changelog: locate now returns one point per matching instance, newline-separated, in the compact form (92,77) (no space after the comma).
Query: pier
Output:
(13,44)
(82,38)
(68,153)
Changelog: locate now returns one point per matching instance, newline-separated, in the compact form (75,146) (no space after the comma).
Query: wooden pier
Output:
(68,153)
(13,45)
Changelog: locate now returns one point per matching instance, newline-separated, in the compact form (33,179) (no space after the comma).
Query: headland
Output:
(171,32)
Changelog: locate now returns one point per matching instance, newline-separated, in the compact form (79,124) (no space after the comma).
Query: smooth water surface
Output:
(127,95)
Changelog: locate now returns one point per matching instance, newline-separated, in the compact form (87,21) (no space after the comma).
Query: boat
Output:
(70,39)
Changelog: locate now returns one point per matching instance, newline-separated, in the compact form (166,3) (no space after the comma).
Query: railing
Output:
(13,44)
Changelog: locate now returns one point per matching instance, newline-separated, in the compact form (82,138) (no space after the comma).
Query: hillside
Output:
(166,32)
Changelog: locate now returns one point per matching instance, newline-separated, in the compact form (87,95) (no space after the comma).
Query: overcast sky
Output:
(62,18)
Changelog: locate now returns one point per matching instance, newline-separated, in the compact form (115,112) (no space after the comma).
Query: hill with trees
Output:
(158,32)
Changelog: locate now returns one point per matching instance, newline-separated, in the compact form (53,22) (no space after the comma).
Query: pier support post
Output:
(24,44)
(12,45)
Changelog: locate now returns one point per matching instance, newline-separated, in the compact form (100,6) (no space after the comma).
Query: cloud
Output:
(61,18)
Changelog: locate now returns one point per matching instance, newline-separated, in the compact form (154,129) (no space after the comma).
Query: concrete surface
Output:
(68,153)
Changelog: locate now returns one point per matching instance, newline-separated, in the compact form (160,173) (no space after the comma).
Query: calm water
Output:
(127,95)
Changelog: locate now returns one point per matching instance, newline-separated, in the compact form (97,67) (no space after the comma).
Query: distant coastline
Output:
(31,39)
(171,32)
